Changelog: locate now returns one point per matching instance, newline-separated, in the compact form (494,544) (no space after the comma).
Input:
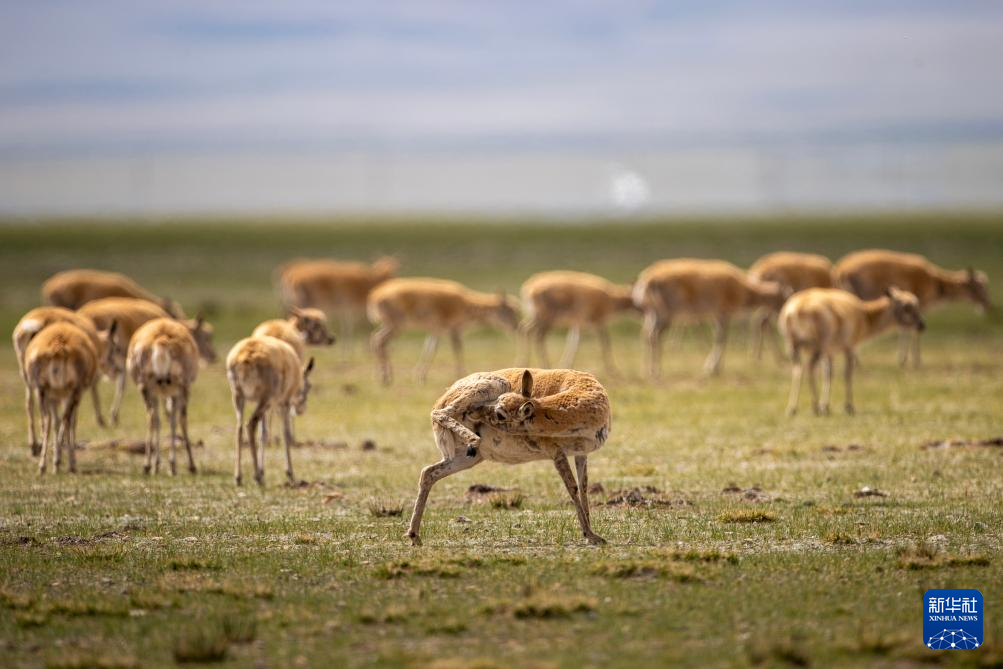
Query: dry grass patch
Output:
(839,539)
(506,500)
(389,615)
(675,571)
(543,606)
(927,556)
(70,660)
(747,516)
(201,643)
(188,563)
(385,508)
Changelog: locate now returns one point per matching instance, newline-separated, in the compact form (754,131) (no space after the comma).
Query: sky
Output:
(297,105)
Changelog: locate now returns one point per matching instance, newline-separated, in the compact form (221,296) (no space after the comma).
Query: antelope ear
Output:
(527,384)
(112,329)
(526,411)
(309,367)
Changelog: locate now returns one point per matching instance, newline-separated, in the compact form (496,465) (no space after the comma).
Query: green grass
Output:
(111,568)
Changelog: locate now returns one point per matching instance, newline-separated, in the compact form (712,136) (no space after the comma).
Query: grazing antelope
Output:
(438,307)
(30,325)
(699,290)
(60,363)
(304,327)
(827,321)
(868,274)
(266,370)
(163,362)
(793,271)
(74,288)
(575,300)
(128,315)
(514,416)
(339,288)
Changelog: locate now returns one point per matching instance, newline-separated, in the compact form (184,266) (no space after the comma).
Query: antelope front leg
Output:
(183,408)
(116,401)
(456,338)
(797,370)
(903,347)
(43,404)
(29,408)
(713,363)
(607,350)
(916,363)
(287,430)
(70,428)
(582,465)
(848,379)
(826,384)
(812,366)
(252,429)
(98,416)
(378,342)
(238,406)
(564,469)
(571,346)
(172,410)
(152,429)
(652,334)
(429,476)
(425,361)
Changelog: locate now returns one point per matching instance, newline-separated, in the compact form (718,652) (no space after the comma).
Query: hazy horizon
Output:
(113,107)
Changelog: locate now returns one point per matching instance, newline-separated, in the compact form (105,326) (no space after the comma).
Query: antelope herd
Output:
(103,323)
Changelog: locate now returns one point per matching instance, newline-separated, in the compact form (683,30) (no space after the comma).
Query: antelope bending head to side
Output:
(337,287)
(27,328)
(438,307)
(794,272)
(267,371)
(60,363)
(868,274)
(691,289)
(829,321)
(514,416)
(574,300)
(304,327)
(163,362)
(73,289)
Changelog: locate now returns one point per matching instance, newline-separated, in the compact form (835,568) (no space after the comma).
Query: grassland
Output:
(736,536)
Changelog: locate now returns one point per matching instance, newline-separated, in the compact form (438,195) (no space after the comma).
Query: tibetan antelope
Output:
(60,363)
(793,271)
(575,300)
(129,315)
(828,321)
(514,416)
(30,325)
(438,307)
(339,288)
(691,289)
(868,274)
(304,327)
(163,362)
(266,370)
(74,288)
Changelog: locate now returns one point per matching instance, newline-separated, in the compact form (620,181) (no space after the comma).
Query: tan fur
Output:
(829,321)
(575,300)
(128,315)
(163,361)
(514,416)
(436,306)
(793,271)
(74,288)
(867,274)
(339,288)
(692,289)
(266,370)
(30,325)
(303,327)
(60,363)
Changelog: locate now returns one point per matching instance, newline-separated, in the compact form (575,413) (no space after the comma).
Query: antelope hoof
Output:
(413,536)
(237,480)
(823,410)
(850,411)
(260,479)
(102,423)
(36,448)
(41,470)
(192,469)
(472,451)
(595,539)
(174,469)
(792,411)
(146,469)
